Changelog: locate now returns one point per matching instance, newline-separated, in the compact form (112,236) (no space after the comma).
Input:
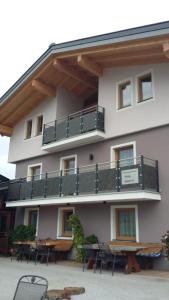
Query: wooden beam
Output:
(43,88)
(166,49)
(5,130)
(71,72)
(89,65)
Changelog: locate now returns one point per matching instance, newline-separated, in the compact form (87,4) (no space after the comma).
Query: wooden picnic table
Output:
(130,249)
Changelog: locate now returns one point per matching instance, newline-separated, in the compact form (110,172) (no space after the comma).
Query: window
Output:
(64,229)
(34,172)
(39,125)
(28,129)
(124,94)
(31,217)
(145,90)
(125,224)
(68,165)
(125,155)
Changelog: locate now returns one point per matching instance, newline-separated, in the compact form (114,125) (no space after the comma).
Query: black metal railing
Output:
(81,122)
(140,173)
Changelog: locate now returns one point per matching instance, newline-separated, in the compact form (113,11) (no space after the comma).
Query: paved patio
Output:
(145,285)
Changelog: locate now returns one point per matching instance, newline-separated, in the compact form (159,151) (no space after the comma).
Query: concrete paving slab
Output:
(98,286)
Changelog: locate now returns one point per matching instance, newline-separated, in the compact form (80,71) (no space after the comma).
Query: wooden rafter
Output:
(43,88)
(5,130)
(89,65)
(71,72)
(166,49)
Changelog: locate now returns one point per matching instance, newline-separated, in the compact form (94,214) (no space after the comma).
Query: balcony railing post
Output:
(19,193)
(60,184)
(97,115)
(55,129)
(67,127)
(77,181)
(81,122)
(43,138)
(45,185)
(141,175)
(32,180)
(118,176)
(97,179)
(157,175)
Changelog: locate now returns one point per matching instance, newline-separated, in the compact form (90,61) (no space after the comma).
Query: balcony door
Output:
(68,165)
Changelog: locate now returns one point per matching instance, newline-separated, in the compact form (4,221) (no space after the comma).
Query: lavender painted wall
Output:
(153,216)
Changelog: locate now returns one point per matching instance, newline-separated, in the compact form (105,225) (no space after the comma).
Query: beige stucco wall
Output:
(140,115)
(52,108)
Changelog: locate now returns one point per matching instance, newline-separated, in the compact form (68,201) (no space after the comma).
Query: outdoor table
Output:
(130,250)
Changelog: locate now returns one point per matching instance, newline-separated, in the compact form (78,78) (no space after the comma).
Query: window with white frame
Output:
(124,153)
(64,229)
(144,87)
(31,217)
(39,125)
(34,172)
(124,94)
(68,165)
(124,222)
(28,129)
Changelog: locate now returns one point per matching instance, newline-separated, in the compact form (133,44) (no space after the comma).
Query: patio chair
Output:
(90,255)
(42,253)
(31,287)
(23,252)
(105,257)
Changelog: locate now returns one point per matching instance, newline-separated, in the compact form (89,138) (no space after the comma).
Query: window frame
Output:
(118,100)
(26,129)
(26,217)
(62,159)
(60,234)
(138,77)
(114,148)
(33,166)
(113,222)
(37,125)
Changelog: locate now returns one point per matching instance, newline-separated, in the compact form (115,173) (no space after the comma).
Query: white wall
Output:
(140,115)
(52,108)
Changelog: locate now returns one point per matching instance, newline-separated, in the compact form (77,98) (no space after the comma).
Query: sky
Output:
(29,27)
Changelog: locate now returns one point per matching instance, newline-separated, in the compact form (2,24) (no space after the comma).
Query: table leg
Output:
(132,264)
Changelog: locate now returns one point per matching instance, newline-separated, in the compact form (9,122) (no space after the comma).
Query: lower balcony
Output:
(110,182)
(80,128)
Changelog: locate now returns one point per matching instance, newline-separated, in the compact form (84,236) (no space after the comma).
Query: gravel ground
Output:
(98,286)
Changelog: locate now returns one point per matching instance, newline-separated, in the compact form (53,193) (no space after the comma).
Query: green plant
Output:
(22,232)
(78,235)
(91,239)
(165,243)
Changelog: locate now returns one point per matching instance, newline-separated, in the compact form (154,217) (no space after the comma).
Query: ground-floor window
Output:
(64,229)
(31,217)
(124,222)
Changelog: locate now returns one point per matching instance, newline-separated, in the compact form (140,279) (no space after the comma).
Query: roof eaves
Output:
(104,39)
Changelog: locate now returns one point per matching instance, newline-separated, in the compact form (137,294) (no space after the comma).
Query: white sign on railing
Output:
(129,176)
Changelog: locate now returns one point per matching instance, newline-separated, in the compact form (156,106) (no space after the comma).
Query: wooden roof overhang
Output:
(76,69)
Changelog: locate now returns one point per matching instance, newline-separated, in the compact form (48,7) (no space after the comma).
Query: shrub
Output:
(91,239)
(78,235)
(22,232)
(165,243)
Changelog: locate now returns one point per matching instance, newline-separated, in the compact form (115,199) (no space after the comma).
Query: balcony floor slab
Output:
(76,141)
(108,197)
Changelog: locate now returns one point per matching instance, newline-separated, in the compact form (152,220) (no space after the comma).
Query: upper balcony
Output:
(77,129)
(121,181)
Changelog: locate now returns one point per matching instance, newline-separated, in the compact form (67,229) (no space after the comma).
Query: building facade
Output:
(88,126)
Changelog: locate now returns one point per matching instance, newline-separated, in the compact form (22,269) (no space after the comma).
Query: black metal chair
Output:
(31,287)
(23,252)
(42,254)
(90,254)
(105,257)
